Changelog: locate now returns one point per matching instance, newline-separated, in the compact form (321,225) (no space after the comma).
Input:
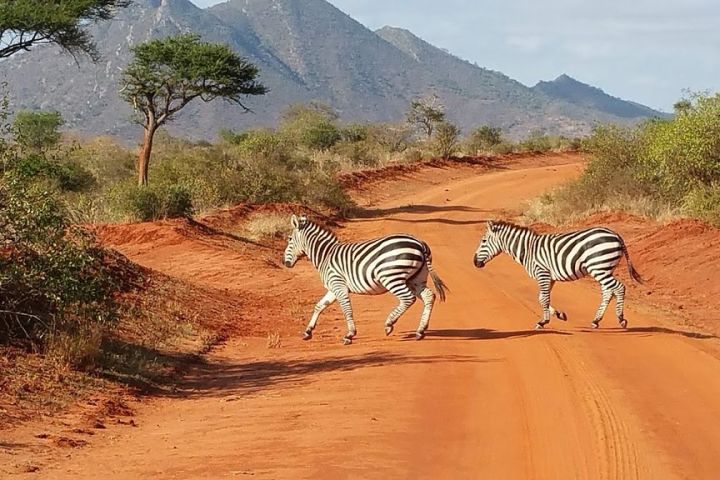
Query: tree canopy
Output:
(26,23)
(167,74)
(425,113)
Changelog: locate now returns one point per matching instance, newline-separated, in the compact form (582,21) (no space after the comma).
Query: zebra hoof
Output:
(561,315)
(307,335)
(594,325)
(347,340)
(539,326)
(388,330)
(623,323)
(419,335)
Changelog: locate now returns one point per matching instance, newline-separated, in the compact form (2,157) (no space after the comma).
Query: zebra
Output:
(397,263)
(562,257)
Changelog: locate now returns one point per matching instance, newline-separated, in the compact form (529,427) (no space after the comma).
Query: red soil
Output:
(484,396)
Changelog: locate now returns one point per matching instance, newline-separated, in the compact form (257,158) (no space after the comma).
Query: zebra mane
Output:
(498,225)
(315,229)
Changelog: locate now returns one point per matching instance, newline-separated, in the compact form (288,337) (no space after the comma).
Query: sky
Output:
(648,51)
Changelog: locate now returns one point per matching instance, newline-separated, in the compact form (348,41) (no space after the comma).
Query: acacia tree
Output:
(167,74)
(26,23)
(425,113)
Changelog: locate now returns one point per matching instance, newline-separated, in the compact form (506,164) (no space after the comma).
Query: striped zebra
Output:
(399,264)
(562,257)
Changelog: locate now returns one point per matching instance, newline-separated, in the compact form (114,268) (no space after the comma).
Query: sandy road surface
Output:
(483,396)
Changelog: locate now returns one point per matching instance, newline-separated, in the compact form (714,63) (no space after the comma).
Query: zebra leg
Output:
(428,298)
(406,298)
(620,304)
(608,284)
(343,298)
(560,315)
(606,296)
(546,285)
(324,302)
(421,291)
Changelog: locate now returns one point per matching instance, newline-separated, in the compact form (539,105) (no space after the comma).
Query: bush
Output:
(657,167)
(393,138)
(358,153)
(704,203)
(66,175)
(152,202)
(37,131)
(312,126)
(445,140)
(483,139)
(53,276)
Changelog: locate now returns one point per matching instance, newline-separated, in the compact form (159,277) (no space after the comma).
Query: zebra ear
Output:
(302,222)
(294,222)
(492,227)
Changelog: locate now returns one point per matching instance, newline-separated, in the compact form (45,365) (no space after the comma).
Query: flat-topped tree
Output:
(26,23)
(167,74)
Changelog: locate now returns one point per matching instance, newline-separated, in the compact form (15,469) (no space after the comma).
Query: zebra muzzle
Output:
(288,264)
(478,263)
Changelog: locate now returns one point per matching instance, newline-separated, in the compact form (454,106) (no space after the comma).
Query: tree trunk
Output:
(144,157)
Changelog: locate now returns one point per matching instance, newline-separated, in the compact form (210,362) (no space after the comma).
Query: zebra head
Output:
(296,242)
(490,245)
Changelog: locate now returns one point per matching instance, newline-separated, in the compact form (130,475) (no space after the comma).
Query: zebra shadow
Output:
(484,334)
(653,329)
(242,378)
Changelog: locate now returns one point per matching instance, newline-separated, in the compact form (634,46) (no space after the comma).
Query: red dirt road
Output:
(483,396)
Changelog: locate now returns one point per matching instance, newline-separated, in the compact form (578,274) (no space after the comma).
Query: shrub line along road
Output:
(483,396)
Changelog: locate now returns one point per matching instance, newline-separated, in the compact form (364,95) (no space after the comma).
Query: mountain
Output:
(306,50)
(566,88)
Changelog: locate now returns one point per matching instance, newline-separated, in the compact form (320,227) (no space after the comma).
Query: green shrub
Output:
(483,139)
(355,133)
(320,136)
(657,167)
(446,139)
(504,148)
(53,276)
(704,203)
(37,131)
(152,202)
(358,153)
(231,137)
(67,175)
(312,126)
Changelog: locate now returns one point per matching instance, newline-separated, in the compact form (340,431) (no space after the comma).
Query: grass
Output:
(274,341)
(265,225)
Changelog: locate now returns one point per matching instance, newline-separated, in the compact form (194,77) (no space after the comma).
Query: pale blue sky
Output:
(642,50)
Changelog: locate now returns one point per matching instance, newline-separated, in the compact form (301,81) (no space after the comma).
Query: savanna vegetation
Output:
(74,306)
(661,168)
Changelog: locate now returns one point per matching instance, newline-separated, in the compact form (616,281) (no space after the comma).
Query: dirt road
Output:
(483,396)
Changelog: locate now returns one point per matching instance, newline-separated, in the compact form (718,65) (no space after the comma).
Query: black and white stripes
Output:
(399,264)
(562,257)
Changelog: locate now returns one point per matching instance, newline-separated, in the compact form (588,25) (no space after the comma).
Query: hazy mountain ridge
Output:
(306,50)
(570,90)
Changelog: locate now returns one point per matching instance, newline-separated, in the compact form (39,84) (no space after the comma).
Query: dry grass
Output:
(266,225)
(273,340)
(555,209)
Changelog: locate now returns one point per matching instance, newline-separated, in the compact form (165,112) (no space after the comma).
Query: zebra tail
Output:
(634,274)
(440,286)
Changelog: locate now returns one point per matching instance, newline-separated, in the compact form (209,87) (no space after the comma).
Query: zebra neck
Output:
(318,247)
(518,246)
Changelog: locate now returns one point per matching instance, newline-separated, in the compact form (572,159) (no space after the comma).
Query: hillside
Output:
(566,88)
(306,50)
